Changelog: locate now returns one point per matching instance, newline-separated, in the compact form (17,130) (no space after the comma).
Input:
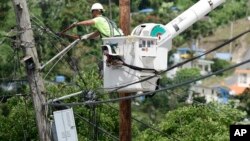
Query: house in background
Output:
(210,93)
(242,81)
(203,65)
(223,55)
(183,54)
(187,53)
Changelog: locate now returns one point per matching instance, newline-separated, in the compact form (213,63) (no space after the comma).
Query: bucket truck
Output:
(129,59)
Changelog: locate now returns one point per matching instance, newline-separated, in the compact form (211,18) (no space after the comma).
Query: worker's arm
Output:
(87,22)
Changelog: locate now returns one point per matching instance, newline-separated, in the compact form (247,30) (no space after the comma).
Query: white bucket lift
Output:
(143,53)
(132,58)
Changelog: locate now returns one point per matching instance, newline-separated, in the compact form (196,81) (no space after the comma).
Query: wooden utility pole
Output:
(32,63)
(124,6)
(125,105)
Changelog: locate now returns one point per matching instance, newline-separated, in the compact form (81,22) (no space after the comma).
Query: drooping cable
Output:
(159,90)
(184,62)
(98,127)
(75,67)
(157,130)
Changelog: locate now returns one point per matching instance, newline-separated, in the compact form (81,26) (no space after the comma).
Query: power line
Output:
(179,64)
(75,68)
(184,62)
(48,30)
(164,134)
(99,128)
(149,93)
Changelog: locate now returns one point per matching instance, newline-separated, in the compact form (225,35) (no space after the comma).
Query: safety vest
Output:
(101,25)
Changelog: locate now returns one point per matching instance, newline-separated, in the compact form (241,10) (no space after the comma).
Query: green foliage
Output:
(104,116)
(196,123)
(231,10)
(165,101)
(6,15)
(17,114)
(220,64)
(17,120)
(183,5)
(180,94)
(244,101)
(187,74)
(5,66)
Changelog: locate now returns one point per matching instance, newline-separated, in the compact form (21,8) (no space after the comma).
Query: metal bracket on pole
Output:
(64,97)
(65,50)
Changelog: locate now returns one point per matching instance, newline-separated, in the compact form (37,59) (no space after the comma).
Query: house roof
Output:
(237,89)
(146,10)
(223,55)
(242,71)
(202,61)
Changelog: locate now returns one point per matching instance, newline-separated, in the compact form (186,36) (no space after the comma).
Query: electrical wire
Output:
(115,88)
(149,93)
(139,82)
(162,72)
(196,56)
(98,127)
(154,129)
(48,30)
(184,62)
(75,68)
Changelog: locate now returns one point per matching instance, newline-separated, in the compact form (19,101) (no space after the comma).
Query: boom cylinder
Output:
(191,15)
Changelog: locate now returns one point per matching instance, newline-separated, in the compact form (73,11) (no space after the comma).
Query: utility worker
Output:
(105,27)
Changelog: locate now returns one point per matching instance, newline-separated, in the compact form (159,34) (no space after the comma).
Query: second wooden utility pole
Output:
(125,105)
(32,63)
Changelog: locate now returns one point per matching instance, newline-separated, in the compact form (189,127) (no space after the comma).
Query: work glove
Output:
(74,24)
(84,37)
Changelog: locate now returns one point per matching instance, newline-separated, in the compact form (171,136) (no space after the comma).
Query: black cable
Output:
(179,65)
(184,62)
(75,67)
(149,93)
(164,134)
(99,128)
(47,29)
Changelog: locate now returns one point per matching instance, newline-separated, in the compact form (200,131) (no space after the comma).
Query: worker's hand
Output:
(84,37)
(74,24)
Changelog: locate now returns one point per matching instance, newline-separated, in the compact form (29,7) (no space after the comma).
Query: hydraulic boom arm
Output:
(190,16)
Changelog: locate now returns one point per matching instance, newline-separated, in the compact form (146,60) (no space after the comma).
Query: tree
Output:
(195,123)
(18,113)
(244,101)
(220,64)
(158,104)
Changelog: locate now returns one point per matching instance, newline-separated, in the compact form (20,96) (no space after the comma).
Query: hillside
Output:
(239,47)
